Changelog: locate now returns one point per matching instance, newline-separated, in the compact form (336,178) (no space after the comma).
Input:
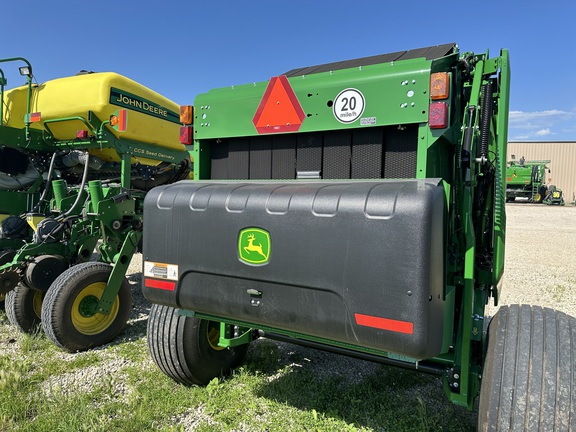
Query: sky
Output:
(180,48)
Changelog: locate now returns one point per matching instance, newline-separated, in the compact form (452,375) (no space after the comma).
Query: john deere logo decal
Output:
(254,246)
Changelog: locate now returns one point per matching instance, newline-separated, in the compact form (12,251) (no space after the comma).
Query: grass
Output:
(275,390)
(559,293)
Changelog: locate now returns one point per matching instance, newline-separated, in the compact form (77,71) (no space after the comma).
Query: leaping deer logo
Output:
(255,248)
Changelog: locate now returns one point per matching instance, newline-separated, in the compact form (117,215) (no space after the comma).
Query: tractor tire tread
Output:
(528,381)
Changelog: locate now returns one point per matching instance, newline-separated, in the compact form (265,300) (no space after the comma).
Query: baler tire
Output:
(23,307)
(64,320)
(181,347)
(528,381)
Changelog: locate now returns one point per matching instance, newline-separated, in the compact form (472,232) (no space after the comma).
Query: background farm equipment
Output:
(554,196)
(526,179)
(78,155)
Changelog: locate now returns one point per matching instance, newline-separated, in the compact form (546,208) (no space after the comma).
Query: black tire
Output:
(64,319)
(181,347)
(528,382)
(543,191)
(24,308)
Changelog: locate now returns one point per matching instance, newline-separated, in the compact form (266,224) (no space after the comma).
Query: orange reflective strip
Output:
(384,323)
(160,284)
(122,120)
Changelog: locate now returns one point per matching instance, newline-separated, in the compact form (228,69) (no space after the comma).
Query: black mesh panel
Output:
(401,146)
(337,154)
(219,165)
(261,158)
(284,157)
(367,153)
(238,160)
(374,152)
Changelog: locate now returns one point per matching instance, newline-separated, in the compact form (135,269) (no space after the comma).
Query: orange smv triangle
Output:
(279,109)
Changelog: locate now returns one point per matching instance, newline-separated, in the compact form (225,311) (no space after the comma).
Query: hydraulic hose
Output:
(80,190)
(47,185)
(62,218)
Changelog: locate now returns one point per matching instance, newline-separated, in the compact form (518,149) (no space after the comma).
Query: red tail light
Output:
(186,135)
(82,134)
(438,115)
(34,117)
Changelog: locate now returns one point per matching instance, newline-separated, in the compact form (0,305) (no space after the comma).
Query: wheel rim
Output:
(86,321)
(213,335)
(37,303)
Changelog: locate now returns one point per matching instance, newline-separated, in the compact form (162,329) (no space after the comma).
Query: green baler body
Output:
(338,126)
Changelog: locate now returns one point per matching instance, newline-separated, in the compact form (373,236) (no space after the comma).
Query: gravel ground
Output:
(540,270)
(540,264)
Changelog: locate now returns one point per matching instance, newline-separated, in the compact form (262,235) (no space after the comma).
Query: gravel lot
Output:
(540,264)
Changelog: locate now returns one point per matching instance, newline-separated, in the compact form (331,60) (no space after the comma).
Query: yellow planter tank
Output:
(152,118)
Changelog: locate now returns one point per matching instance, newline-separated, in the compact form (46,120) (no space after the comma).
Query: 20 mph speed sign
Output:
(348,106)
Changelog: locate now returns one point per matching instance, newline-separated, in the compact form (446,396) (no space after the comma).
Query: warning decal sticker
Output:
(160,270)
